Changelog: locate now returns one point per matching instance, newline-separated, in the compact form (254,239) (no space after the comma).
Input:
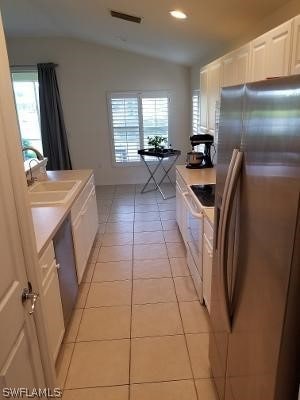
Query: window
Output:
(25,85)
(134,118)
(196,112)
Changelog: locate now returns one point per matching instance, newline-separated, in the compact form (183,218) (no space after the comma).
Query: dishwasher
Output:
(67,276)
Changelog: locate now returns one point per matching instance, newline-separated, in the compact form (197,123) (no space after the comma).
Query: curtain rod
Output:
(27,66)
(22,66)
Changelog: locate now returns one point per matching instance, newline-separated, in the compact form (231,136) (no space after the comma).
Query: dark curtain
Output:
(54,136)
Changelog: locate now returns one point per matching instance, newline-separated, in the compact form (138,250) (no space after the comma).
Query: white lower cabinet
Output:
(207,264)
(84,216)
(79,239)
(52,300)
(195,275)
(207,271)
(181,213)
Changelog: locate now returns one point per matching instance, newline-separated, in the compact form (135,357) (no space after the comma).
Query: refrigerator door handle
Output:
(227,181)
(229,193)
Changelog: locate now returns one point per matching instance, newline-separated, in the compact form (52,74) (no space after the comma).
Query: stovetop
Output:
(205,194)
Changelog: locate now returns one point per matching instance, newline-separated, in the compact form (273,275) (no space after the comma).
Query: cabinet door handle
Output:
(58,266)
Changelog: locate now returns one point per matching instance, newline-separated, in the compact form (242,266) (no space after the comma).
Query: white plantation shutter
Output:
(196,112)
(134,118)
(126,128)
(155,117)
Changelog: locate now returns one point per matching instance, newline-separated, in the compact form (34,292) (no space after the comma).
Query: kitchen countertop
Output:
(204,176)
(47,220)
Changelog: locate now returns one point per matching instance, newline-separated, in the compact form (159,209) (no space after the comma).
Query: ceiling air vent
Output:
(126,17)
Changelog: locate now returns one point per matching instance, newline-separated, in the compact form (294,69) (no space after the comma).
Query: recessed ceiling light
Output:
(178,14)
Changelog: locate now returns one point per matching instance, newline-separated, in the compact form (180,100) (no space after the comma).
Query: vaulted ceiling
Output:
(211,24)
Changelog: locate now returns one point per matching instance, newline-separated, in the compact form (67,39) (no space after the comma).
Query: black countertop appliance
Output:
(205,159)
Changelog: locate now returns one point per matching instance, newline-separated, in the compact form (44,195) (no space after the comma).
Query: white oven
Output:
(194,217)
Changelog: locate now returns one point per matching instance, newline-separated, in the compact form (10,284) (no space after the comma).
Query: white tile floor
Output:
(138,331)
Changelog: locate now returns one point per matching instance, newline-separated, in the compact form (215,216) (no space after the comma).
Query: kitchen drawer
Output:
(208,231)
(82,198)
(46,261)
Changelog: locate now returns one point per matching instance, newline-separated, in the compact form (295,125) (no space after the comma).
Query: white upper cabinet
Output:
(271,53)
(259,58)
(279,52)
(274,54)
(214,86)
(210,84)
(243,64)
(203,100)
(235,67)
(295,64)
(229,70)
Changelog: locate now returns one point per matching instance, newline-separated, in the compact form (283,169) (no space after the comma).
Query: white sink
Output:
(52,192)
(47,198)
(51,186)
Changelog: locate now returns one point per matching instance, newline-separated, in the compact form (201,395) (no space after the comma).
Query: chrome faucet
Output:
(39,156)
(30,180)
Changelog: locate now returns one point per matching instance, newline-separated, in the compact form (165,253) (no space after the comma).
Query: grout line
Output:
(130,337)
(131,312)
(185,340)
(139,304)
(134,383)
(68,369)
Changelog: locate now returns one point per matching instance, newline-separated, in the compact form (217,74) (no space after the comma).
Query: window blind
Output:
(155,117)
(134,118)
(126,128)
(196,112)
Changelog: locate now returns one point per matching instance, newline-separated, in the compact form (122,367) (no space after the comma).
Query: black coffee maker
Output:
(203,159)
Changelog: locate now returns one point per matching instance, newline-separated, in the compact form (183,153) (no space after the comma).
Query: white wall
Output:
(86,72)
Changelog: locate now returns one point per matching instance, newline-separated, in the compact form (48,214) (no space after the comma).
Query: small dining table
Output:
(158,158)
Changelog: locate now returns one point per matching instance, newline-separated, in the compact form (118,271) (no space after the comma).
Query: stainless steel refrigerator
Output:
(255,299)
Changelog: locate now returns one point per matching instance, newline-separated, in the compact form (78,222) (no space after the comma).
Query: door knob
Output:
(28,294)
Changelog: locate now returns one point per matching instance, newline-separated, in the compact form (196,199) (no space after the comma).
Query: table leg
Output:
(152,173)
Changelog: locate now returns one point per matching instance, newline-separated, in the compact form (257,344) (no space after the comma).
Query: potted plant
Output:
(156,142)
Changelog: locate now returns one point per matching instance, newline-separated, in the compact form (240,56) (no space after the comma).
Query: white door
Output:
(20,360)
(295,65)
(20,364)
